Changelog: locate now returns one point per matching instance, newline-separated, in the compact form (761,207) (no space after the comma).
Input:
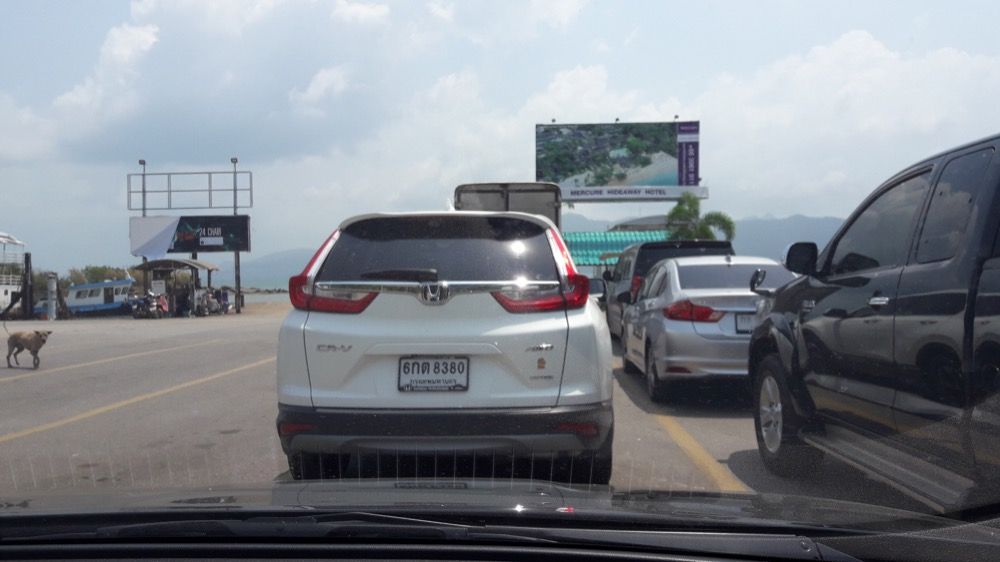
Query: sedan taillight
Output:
(687,310)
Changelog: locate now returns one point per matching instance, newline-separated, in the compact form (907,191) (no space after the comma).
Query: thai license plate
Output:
(744,323)
(433,374)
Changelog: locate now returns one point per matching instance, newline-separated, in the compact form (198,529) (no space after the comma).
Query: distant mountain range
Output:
(766,237)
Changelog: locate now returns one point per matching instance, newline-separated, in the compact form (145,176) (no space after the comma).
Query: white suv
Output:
(459,338)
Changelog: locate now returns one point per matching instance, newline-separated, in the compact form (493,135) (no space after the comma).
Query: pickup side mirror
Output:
(800,258)
(597,288)
(607,276)
(624,298)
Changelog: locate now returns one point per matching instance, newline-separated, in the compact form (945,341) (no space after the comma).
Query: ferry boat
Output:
(96,299)
(11,268)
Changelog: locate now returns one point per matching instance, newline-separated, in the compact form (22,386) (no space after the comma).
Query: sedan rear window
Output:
(730,276)
(446,248)
(649,256)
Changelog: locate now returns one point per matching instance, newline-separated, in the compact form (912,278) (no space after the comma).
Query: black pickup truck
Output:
(885,353)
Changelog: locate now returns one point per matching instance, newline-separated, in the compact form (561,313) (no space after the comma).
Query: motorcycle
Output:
(209,304)
(147,306)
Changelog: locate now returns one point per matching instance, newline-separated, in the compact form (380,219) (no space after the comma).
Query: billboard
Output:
(154,237)
(619,161)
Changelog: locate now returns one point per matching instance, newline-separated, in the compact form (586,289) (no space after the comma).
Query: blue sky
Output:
(346,106)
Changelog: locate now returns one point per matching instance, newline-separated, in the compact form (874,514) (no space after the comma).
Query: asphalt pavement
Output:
(177,403)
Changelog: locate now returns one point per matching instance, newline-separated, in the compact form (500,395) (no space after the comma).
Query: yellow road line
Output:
(135,400)
(719,474)
(103,361)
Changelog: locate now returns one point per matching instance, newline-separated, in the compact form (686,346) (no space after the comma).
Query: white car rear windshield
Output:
(454,248)
(730,276)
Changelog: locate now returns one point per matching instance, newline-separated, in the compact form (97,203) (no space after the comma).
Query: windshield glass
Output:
(235,254)
(730,276)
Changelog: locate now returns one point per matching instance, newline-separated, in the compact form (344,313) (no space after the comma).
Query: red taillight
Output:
(565,261)
(532,299)
(292,428)
(583,429)
(579,291)
(687,310)
(304,296)
(343,303)
(634,289)
(298,291)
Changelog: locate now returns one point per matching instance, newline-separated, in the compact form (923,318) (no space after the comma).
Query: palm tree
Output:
(685,221)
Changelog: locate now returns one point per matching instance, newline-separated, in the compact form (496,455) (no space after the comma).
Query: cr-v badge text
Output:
(330,347)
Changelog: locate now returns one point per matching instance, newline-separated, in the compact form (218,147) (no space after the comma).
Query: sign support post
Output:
(145,274)
(236,254)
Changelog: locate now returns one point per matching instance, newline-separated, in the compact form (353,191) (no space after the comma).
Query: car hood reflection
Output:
(509,499)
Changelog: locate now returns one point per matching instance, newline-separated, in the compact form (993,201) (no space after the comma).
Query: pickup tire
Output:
(777,424)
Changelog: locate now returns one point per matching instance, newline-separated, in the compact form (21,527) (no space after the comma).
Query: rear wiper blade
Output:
(401,275)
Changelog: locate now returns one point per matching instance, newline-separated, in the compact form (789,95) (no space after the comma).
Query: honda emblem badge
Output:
(434,293)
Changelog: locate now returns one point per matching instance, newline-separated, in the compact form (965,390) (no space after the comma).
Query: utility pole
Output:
(236,254)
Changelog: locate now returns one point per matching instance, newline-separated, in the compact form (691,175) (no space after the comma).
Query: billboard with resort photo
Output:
(618,161)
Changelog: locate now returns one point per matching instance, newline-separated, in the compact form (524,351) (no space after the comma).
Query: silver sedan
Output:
(692,319)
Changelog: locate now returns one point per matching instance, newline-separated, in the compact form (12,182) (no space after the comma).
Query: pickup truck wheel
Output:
(777,424)
(656,388)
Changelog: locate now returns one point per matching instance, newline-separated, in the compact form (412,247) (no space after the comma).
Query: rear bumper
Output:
(518,431)
(693,356)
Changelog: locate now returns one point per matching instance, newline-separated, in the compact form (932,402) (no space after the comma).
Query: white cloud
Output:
(830,124)
(579,94)
(557,14)
(442,11)
(25,135)
(812,133)
(327,82)
(228,17)
(107,91)
(360,12)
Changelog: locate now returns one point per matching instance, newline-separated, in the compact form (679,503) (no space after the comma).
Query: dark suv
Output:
(635,262)
(886,352)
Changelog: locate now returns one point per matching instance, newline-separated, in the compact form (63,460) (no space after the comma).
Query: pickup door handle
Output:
(876,302)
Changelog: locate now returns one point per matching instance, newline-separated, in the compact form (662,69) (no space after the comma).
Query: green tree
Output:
(98,273)
(685,221)
(76,276)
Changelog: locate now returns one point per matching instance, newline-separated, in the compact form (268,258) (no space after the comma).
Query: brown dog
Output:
(32,341)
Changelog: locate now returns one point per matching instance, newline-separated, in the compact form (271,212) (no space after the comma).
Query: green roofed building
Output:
(586,248)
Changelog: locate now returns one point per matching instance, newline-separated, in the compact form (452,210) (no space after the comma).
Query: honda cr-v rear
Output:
(445,340)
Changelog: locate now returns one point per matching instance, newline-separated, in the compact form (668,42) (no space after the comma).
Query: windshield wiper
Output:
(362,526)
(344,526)
(401,275)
